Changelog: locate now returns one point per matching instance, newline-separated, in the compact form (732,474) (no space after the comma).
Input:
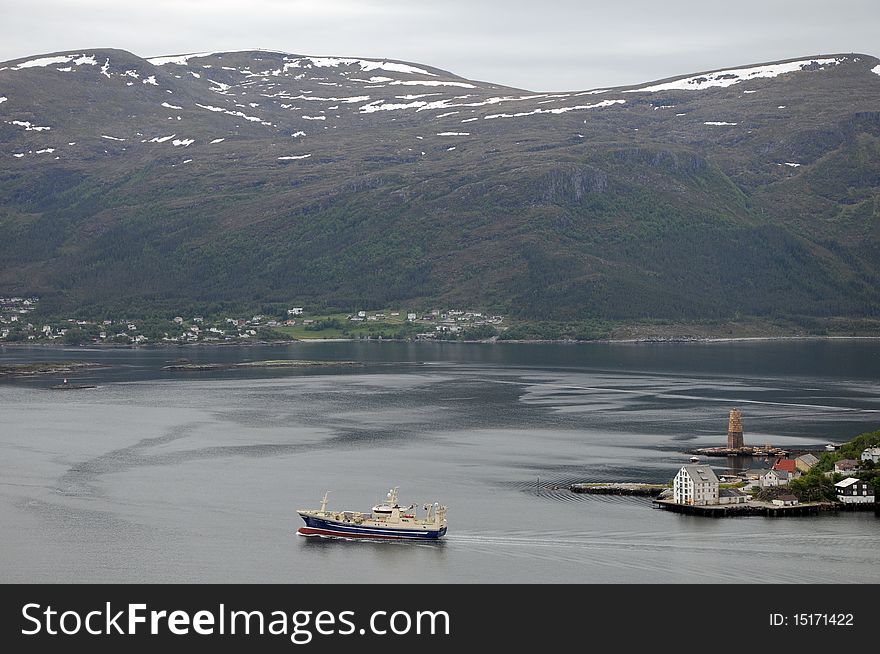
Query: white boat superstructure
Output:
(387,520)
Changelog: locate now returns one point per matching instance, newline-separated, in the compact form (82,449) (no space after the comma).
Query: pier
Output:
(764,509)
(620,488)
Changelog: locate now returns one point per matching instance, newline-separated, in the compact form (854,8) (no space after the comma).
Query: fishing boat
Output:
(387,520)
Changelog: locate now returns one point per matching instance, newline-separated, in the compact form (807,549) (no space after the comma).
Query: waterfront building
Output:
(785,500)
(854,491)
(732,496)
(696,485)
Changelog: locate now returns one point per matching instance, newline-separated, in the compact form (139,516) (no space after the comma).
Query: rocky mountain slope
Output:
(264,176)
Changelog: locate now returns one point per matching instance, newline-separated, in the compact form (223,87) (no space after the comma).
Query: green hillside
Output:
(541,206)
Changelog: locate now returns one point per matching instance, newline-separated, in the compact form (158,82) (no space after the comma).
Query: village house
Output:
(732,496)
(788,465)
(854,491)
(871,454)
(773,478)
(695,484)
(846,465)
(785,500)
(805,462)
(295,311)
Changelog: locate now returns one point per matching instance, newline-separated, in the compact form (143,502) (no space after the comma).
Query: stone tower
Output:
(735,430)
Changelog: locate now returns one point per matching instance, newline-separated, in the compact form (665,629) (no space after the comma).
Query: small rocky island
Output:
(44,368)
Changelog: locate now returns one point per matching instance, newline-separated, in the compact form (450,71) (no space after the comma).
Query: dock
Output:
(764,509)
(620,488)
(740,451)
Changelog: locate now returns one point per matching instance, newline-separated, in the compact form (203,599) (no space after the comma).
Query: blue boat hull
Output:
(318,527)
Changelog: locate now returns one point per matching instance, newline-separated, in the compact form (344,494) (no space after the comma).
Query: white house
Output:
(774,478)
(695,485)
(410,316)
(854,491)
(871,454)
(732,496)
(295,311)
(785,500)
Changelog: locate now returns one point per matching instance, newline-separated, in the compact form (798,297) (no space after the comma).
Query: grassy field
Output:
(388,327)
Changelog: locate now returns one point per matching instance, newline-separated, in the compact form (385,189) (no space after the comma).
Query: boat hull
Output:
(332,529)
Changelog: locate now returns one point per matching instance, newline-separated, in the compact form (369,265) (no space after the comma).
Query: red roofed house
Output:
(788,465)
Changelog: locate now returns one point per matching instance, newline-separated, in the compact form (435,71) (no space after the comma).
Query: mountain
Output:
(257,176)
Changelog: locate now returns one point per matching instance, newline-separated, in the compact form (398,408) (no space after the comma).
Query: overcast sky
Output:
(543,45)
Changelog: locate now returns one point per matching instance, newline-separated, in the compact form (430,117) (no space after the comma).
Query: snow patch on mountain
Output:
(42,62)
(429,82)
(239,114)
(180,60)
(28,126)
(366,65)
(725,78)
(380,105)
(560,110)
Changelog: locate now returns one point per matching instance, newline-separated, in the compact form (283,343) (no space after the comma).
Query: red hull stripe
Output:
(310,531)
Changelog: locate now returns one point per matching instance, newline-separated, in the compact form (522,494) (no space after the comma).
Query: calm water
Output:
(157,476)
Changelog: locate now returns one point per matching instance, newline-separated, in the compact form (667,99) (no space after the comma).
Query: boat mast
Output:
(324,502)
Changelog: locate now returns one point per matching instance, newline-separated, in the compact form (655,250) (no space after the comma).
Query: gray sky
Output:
(545,45)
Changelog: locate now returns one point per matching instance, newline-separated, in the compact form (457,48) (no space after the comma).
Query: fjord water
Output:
(195,476)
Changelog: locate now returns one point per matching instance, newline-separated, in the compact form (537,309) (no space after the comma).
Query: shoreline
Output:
(488,341)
